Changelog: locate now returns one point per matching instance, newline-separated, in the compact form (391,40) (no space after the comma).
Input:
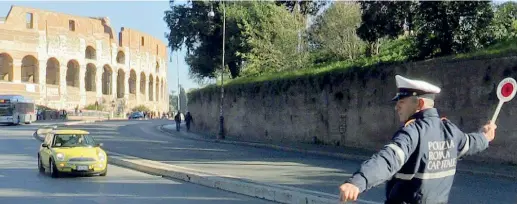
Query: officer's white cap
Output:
(410,87)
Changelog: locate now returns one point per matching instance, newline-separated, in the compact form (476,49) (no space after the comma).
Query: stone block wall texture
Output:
(353,108)
(64,61)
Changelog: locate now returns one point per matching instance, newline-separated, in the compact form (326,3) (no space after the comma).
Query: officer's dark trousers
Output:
(188,125)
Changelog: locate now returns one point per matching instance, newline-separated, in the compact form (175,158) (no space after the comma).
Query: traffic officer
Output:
(420,160)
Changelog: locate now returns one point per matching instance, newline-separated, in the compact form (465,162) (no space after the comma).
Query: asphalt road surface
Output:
(142,139)
(20,181)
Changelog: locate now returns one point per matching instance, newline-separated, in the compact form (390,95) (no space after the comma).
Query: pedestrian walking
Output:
(188,120)
(177,118)
(420,161)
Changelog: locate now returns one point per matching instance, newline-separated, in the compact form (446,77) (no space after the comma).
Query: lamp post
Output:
(211,14)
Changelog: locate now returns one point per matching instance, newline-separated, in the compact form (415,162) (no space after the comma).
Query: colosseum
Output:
(65,61)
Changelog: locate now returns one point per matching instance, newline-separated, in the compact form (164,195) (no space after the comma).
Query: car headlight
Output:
(102,156)
(60,156)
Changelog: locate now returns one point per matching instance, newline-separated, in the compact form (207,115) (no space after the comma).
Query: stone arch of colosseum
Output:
(121,76)
(90,53)
(53,72)
(72,74)
(30,69)
(142,82)
(132,81)
(157,89)
(107,73)
(151,82)
(89,78)
(6,67)
(121,57)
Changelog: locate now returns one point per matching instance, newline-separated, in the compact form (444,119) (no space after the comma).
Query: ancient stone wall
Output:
(64,61)
(353,108)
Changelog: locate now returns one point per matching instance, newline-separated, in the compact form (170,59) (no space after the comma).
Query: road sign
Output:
(505,92)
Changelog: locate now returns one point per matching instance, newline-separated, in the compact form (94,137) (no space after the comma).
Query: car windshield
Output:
(72,140)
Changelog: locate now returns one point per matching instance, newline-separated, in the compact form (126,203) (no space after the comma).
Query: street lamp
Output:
(211,14)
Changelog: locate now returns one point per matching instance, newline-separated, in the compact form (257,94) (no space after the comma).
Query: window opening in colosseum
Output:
(157,67)
(71,25)
(132,82)
(89,78)
(72,73)
(142,83)
(106,80)
(143,41)
(90,53)
(6,69)
(29,21)
(30,69)
(151,93)
(121,57)
(157,90)
(121,76)
(52,76)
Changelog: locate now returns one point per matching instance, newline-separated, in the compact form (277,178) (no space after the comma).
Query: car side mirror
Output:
(44,145)
(100,144)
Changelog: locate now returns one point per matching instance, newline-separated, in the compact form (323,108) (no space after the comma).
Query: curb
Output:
(355,157)
(276,193)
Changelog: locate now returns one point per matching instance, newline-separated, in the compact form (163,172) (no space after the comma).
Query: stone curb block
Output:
(330,154)
(276,193)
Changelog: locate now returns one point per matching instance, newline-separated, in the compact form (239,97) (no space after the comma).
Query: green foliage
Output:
(202,35)
(305,7)
(93,107)
(504,24)
(271,33)
(333,34)
(141,108)
(173,101)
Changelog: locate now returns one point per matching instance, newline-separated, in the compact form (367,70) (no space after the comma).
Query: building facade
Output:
(64,61)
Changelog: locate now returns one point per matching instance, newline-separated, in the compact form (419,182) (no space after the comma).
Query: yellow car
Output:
(69,151)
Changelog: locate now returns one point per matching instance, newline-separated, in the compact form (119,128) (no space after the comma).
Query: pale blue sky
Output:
(144,16)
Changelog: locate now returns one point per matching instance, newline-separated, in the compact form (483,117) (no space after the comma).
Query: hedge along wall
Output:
(353,107)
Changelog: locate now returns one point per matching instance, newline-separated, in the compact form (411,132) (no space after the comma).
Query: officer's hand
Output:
(348,192)
(489,131)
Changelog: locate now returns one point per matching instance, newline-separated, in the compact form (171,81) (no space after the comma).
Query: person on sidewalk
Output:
(177,118)
(420,161)
(188,120)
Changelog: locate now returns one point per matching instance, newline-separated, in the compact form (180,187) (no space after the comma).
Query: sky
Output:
(143,16)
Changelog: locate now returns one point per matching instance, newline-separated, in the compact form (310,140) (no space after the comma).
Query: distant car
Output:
(136,116)
(71,151)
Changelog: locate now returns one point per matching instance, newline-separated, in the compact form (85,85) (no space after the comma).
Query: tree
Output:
(505,21)
(183,100)
(173,101)
(271,33)
(306,7)
(451,27)
(333,33)
(190,26)
(383,19)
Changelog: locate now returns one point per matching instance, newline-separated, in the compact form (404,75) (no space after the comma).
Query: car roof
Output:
(70,131)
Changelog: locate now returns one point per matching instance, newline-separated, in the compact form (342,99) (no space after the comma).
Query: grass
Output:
(508,47)
(505,48)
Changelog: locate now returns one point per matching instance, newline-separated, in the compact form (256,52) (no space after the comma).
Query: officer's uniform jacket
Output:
(420,161)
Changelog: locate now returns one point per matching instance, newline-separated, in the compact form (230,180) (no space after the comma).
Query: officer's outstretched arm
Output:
(388,161)
(469,143)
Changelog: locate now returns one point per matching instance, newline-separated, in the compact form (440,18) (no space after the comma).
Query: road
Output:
(20,181)
(142,139)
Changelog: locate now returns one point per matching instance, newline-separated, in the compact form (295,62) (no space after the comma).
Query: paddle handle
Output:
(497,110)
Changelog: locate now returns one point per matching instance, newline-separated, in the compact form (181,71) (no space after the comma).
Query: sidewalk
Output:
(349,153)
